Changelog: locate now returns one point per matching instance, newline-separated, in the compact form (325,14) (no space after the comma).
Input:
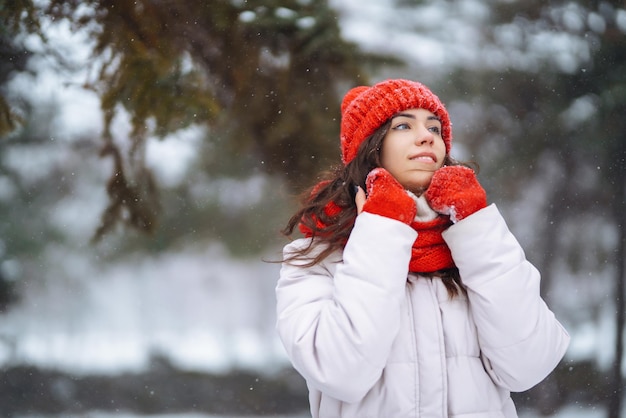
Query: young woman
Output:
(408,296)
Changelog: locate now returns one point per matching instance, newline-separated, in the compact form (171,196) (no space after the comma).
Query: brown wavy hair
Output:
(337,186)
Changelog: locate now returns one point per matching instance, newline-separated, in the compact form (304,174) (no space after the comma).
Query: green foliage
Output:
(528,113)
(263,75)
(12,59)
(15,16)
(246,223)
(25,230)
(7,118)
(18,15)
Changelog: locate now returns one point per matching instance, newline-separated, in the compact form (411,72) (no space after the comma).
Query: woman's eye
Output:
(401,126)
(435,129)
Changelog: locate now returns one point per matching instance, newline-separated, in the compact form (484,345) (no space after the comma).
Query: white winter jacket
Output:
(373,344)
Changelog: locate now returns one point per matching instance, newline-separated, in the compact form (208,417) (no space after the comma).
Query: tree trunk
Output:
(547,393)
(616,391)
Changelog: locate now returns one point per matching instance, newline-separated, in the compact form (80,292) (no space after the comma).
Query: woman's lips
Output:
(425,157)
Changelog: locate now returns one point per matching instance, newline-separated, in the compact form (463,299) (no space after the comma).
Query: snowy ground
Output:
(122,415)
(569,412)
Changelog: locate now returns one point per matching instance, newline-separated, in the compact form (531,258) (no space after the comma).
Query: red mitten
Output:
(455,191)
(387,197)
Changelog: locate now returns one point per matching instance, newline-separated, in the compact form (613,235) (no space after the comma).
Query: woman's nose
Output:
(424,137)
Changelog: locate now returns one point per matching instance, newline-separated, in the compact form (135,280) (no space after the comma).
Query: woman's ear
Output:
(360,199)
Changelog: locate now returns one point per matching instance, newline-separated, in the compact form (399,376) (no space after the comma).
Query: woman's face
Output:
(413,148)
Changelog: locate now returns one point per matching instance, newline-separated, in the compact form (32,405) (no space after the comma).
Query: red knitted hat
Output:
(364,109)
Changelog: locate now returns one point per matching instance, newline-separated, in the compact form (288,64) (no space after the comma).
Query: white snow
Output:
(199,308)
(568,412)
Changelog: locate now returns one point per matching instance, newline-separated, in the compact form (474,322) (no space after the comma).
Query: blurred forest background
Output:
(151,150)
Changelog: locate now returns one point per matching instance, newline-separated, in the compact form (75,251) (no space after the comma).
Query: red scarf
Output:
(430,252)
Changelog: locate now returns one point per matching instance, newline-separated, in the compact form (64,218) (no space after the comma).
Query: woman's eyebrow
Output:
(411,116)
(405,115)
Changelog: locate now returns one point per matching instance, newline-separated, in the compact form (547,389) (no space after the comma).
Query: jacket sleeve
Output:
(338,319)
(520,339)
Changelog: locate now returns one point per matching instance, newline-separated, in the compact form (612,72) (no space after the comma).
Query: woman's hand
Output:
(385,197)
(455,191)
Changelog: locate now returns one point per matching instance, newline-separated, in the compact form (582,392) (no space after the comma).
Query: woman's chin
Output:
(417,190)
(419,187)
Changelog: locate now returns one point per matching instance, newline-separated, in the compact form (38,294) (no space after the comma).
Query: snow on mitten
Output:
(455,191)
(387,197)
